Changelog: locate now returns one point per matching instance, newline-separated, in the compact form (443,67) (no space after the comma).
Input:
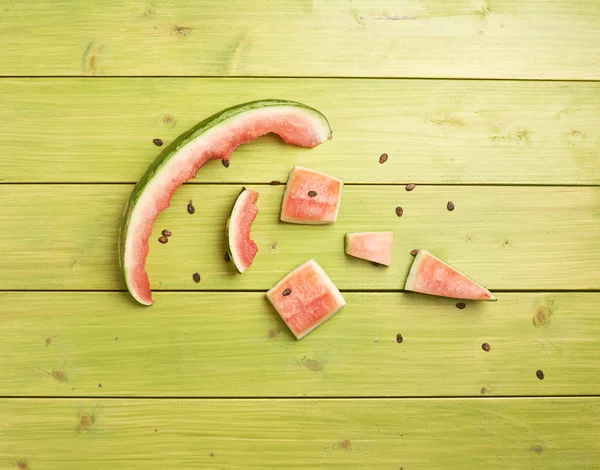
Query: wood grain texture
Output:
(364,38)
(300,434)
(101,130)
(65,237)
(235,345)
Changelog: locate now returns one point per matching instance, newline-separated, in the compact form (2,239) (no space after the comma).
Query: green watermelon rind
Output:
(172,150)
(230,250)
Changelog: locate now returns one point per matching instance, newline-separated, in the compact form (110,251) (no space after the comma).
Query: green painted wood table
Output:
(493,105)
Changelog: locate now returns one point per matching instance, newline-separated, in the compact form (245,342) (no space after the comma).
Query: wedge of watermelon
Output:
(305,298)
(213,138)
(430,275)
(240,247)
(311,197)
(372,246)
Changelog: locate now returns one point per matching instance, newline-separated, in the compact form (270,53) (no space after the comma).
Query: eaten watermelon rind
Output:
(178,163)
(232,223)
(324,281)
(411,281)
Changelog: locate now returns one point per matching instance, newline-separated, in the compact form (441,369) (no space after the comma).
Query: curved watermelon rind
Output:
(172,150)
(239,202)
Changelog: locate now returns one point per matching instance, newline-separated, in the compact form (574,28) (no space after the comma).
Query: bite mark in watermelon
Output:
(240,247)
(372,246)
(311,197)
(305,298)
(430,275)
(213,138)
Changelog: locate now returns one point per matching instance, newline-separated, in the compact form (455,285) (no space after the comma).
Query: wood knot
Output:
(168,120)
(538,449)
(23,465)
(85,422)
(149,10)
(541,317)
(59,375)
(313,365)
(346,444)
(48,341)
(182,31)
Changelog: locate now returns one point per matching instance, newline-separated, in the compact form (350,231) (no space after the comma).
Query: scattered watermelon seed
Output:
(227,257)
(312,193)
(414,252)
(399,211)
(486,347)
(375,263)
(539,374)
(410,187)
(450,206)
(287,292)
(157,142)
(163,239)
(383,158)
(196,277)
(399,338)
(166,233)
(461,305)
(225,163)
(190,208)
(275,183)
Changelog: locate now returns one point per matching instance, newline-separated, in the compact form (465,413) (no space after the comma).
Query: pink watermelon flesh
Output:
(292,123)
(430,275)
(299,207)
(313,298)
(372,246)
(242,249)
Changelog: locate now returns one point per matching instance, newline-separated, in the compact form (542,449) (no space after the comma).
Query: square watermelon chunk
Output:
(311,197)
(305,298)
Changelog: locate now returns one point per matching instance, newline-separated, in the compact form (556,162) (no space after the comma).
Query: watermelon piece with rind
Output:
(241,248)
(430,275)
(305,298)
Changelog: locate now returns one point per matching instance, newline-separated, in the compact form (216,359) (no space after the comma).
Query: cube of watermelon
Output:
(305,298)
(311,197)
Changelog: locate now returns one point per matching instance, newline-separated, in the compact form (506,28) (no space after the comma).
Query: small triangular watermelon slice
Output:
(372,246)
(430,275)
(311,197)
(305,298)
(240,247)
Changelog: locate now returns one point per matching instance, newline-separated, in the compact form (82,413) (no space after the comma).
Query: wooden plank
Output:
(235,345)
(81,130)
(300,434)
(363,38)
(65,237)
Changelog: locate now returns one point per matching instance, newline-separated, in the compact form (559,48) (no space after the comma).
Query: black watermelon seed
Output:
(312,193)
(163,239)
(225,163)
(450,206)
(486,347)
(410,187)
(399,338)
(275,183)
(196,278)
(414,252)
(399,211)
(461,305)
(287,292)
(166,233)
(375,263)
(190,208)
(157,142)
(383,158)
(227,257)
(539,374)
